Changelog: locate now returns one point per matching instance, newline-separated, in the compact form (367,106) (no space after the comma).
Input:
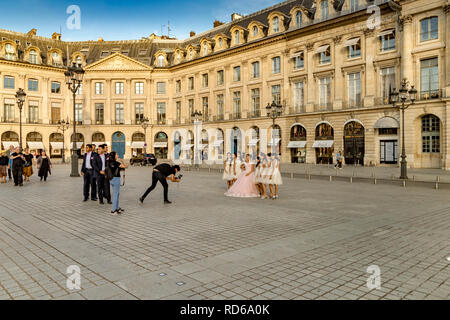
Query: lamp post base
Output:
(403,170)
(74,173)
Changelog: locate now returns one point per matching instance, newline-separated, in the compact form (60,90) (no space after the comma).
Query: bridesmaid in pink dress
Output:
(245,187)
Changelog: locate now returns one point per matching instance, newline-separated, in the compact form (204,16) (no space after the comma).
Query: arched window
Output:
(220,42)
(138,136)
(298,18)
(431,131)
(10,52)
(298,133)
(161,61)
(324,132)
(33,57)
(275,24)
(34,137)
(237,39)
(191,53)
(205,49)
(178,56)
(56,59)
(79,60)
(255,31)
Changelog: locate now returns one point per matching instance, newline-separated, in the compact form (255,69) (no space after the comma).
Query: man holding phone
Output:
(162,173)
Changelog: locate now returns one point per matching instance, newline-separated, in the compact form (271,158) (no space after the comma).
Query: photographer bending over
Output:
(162,173)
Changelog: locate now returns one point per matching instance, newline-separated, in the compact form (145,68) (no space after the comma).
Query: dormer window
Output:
(10,52)
(33,56)
(205,49)
(276,24)
(220,42)
(161,61)
(79,60)
(324,9)
(56,59)
(298,18)
(255,31)
(237,37)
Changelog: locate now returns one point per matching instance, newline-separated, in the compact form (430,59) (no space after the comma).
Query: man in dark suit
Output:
(94,182)
(87,171)
(99,164)
(107,185)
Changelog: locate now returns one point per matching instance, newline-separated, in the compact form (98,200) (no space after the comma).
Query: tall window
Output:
(32,85)
(220,106)
(324,92)
(255,69)
(33,113)
(79,113)
(275,24)
(431,134)
(161,112)
(191,83)
(205,80)
(178,111)
(56,59)
(298,95)
(220,77)
(298,18)
(191,107)
(429,78)
(429,29)
(161,88)
(55,113)
(139,88)
(276,65)
(354,89)
(256,100)
(354,50)
(119,87)
(353,5)
(10,52)
(255,31)
(205,108)
(161,61)
(56,87)
(387,40)
(99,88)
(325,56)
(324,9)
(276,93)
(99,113)
(299,60)
(387,83)
(237,39)
(119,113)
(8,82)
(205,49)
(33,57)
(9,112)
(79,90)
(178,86)
(237,104)
(139,112)
(237,73)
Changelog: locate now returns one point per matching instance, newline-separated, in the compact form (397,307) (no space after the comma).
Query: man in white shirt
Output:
(87,171)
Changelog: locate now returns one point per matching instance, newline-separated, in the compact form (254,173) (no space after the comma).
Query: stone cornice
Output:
(33,66)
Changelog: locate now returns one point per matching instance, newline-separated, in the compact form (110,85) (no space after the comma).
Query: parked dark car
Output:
(144,160)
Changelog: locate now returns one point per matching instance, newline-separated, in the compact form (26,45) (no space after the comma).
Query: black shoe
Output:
(101,202)
(94,199)
(109,202)
(141,200)
(84,200)
(120,209)
(167,202)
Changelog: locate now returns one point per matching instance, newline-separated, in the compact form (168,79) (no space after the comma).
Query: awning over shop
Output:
(322,48)
(387,123)
(35,145)
(56,145)
(7,144)
(187,147)
(160,145)
(274,142)
(323,144)
(351,42)
(79,145)
(297,144)
(218,143)
(386,32)
(253,143)
(137,145)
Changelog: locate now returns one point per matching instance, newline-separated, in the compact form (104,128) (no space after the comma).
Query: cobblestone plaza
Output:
(315,242)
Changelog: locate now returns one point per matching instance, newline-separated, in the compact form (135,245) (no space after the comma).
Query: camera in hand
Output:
(179,177)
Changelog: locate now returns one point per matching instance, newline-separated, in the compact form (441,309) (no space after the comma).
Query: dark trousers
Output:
(89,184)
(158,176)
(103,188)
(10,173)
(18,175)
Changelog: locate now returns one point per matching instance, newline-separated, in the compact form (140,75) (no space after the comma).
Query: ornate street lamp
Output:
(63,126)
(20,98)
(144,124)
(74,78)
(274,111)
(402,99)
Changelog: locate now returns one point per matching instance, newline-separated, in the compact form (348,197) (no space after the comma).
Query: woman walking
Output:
(28,166)
(4,166)
(115,167)
(44,166)
(227,171)
(275,176)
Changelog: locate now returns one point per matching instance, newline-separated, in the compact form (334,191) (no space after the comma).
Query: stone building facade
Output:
(330,64)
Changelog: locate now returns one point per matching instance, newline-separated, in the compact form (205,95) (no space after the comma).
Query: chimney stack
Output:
(32,32)
(217,23)
(191,34)
(236,16)
(56,36)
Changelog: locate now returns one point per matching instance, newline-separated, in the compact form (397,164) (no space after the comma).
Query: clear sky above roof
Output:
(122,19)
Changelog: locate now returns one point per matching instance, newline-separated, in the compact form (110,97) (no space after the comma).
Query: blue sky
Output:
(123,19)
